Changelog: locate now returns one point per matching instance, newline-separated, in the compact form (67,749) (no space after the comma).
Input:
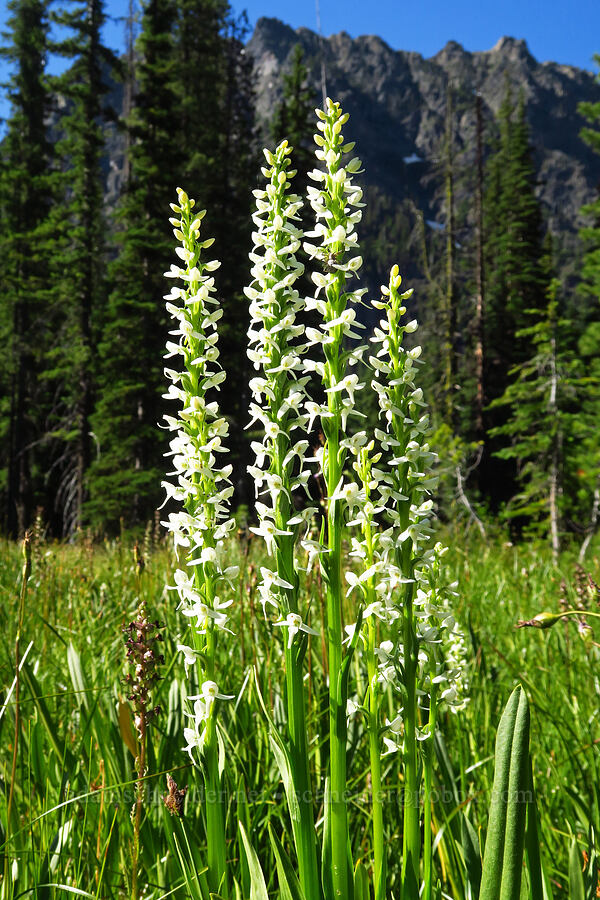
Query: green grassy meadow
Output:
(74,784)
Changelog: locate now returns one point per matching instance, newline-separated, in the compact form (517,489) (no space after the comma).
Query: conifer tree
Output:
(83,255)
(25,200)
(542,426)
(590,234)
(589,342)
(125,477)
(450,311)
(293,117)
(584,483)
(191,124)
(293,120)
(515,278)
(480,305)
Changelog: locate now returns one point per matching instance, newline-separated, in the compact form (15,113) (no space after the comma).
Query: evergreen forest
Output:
(513,381)
(340,604)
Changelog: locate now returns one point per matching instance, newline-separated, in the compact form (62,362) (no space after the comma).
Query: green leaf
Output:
(591,872)
(326,879)
(258,888)
(503,857)
(361,882)
(472,859)
(289,886)
(284,765)
(576,891)
(62,753)
(537,880)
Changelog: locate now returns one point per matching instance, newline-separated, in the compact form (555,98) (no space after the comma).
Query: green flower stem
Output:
(139,800)
(427,781)
(411,838)
(206,644)
(364,466)
(338,725)
(296,717)
(401,399)
(306,848)
(216,844)
(379,861)
(215,812)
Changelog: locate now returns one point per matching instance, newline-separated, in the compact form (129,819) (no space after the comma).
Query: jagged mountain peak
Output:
(512,47)
(397,101)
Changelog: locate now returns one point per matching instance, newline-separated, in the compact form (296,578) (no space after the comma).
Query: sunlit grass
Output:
(75,776)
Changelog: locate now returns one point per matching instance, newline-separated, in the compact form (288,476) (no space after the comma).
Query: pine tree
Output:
(191,126)
(589,343)
(451,300)
(125,477)
(293,117)
(25,199)
(590,272)
(583,487)
(543,422)
(83,256)
(480,303)
(293,121)
(514,277)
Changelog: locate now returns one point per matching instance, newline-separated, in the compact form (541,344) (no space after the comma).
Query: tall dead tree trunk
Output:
(451,313)
(480,277)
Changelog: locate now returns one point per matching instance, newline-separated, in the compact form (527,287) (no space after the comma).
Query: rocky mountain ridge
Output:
(397,105)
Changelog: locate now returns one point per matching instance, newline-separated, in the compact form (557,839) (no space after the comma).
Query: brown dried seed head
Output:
(174,800)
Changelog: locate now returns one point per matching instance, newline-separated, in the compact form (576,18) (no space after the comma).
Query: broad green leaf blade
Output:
(258,888)
(591,871)
(63,754)
(471,857)
(68,889)
(512,867)
(289,886)
(284,765)
(576,889)
(503,857)
(361,883)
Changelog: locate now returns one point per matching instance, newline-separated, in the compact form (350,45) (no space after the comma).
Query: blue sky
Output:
(565,31)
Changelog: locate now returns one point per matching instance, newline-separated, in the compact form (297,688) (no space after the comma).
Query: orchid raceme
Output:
(279,391)
(404,490)
(374,585)
(279,394)
(203,488)
(336,203)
